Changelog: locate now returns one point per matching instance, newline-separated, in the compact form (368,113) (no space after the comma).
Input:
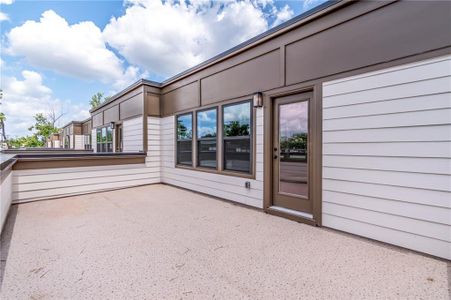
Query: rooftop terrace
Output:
(158,241)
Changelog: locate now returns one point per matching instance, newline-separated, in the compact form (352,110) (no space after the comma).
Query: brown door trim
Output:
(316,149)
(295,202)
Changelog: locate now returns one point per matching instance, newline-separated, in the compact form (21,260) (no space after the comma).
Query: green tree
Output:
(25,141)
(2,126)
(183,132)
(98,99)
(235,128)
(44,128)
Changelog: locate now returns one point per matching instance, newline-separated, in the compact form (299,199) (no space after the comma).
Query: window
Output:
(119,140)
(87,141)
(206,138)
(105,139)
(237,137)
(185,139)
(67,142)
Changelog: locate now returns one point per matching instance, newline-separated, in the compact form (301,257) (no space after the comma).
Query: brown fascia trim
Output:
(74,122)
(127,90)
(7,163)
(291,24)
(29,162)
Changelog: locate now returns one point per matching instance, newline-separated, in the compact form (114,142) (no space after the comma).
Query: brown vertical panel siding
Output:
(77,128)
(127,95)
(261,73)
(153,104)
(183,98)
(111,114)
(87,127)
(391,32)
(131,107)
(97,120)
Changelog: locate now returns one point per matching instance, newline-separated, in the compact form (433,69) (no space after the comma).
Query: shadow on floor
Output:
(5,240)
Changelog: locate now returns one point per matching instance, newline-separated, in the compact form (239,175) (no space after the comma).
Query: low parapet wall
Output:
(31,177)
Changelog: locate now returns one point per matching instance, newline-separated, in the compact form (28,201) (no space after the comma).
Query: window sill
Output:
(215,171)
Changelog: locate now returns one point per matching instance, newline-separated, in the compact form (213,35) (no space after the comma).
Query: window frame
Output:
(87,138)
(102,145)
(251,137)
(219,139)
(193,135)
(216,139)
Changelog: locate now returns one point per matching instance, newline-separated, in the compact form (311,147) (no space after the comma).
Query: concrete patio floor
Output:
(160,242)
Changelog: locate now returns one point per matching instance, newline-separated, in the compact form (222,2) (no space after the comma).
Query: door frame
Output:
(315,186)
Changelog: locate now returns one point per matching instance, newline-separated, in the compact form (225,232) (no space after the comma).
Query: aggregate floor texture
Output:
(161,242)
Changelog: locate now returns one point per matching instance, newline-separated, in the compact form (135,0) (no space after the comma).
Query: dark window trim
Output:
(219,136)
(88,146)
(197,139)
(251,137)
(177,140)
(101,146)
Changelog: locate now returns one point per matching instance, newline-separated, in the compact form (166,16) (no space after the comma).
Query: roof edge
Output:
(258,39)
(271,33)
(129,88)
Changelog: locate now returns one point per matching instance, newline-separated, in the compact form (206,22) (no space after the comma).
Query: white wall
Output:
(153,159)
(94,140)
(5,198)
(223,186)
(387,155)
(39,184)
(133,135)
(79,143)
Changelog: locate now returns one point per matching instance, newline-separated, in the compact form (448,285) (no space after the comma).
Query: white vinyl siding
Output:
(79,143)
(5,198)
(222,186)
(387,155)
(29,185)
(94,140)
(133,135)
(153,159)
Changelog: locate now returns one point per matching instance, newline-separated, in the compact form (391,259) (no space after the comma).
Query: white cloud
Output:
(6,2)
(283,15)
(167,37)
(308,4)
(3,17)
(76,50)
(23,98)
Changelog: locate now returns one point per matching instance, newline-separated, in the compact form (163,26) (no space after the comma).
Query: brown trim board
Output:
(74,162)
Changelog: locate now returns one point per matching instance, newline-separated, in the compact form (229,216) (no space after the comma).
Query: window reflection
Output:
(184,139)
(293,141)
(185,127)
(237,137)
(206,135)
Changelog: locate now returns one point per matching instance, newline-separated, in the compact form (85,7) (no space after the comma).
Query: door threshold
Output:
(295,215)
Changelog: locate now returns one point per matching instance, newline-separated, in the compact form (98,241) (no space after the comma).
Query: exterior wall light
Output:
(258,99)
(112,125)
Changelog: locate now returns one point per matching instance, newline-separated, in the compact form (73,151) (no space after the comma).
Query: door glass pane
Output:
(293,141)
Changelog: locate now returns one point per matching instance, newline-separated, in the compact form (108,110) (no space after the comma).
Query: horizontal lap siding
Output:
(40,184)
(387,155)
(94,140)
(153,160)
(222,186)
(5,198)
(133,135)
(79,143)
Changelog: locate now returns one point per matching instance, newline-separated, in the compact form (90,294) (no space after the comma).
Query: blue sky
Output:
(56,54)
